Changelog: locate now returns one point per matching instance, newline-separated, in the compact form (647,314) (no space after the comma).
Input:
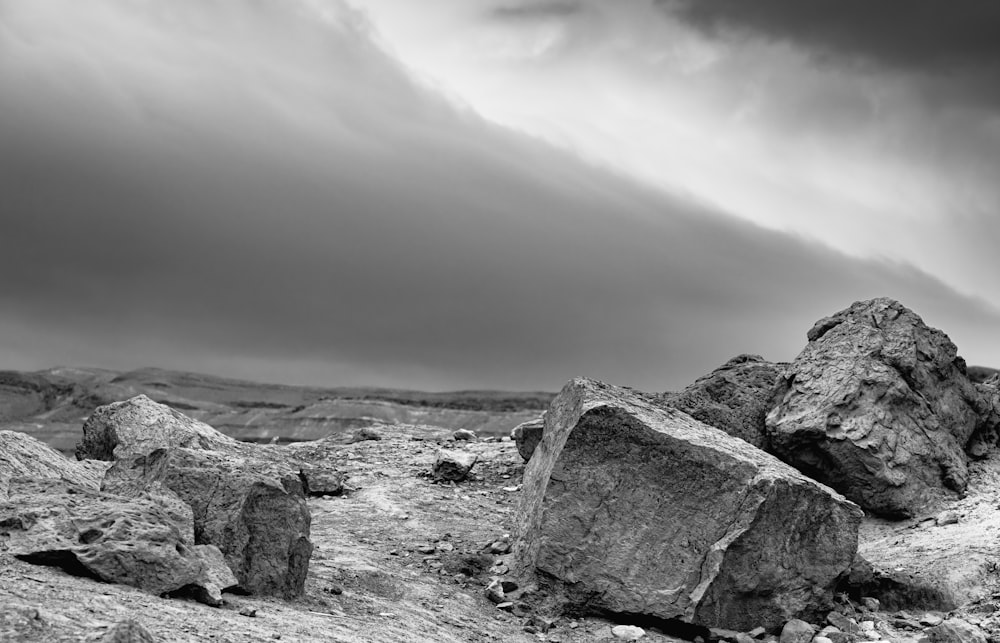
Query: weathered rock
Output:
(253,510)
(140,425)
(632,508)
(130,631)
(133,541)
(464,434)
(527,435)
(797,631)
(628,632)
(734,398)
(322,481)
(956,630)
(453,465)
(22,456)
(878,406)
(987,434)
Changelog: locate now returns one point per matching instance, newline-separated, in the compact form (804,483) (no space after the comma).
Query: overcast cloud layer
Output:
(258,189)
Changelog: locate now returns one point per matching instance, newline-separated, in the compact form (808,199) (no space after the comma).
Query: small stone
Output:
(947,518)
(905,624)
(742,637)
(757,632)
(842,623)
(867,626)
(508,586)
(500,547)
(821,639)
(494,592)
(248,612)
(530,629)
(464,434)
(835,635)
(336,590)
(453,466)
(797,631)
(444,546)
(542,623)
(930,620)
(366,433)
(871,604)
(506,606)
(956,630)
(628,632)
(426,548)
(129,631)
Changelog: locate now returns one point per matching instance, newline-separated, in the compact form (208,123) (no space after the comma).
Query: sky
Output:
(458,194)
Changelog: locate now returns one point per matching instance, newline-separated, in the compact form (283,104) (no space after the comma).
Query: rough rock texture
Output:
(988,433)
(878,406)
(253,510)
(734,397)
(322,481)
(133,541)
(527,435)
(22,456)
(453,465)
(632,508)
(139,425)
(956,630)
(127,632)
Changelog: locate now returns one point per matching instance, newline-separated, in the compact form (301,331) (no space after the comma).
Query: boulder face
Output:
(632,508)
(253,510)
(878,406)
(734,398)
(22,456)
(133,541)
(139,425)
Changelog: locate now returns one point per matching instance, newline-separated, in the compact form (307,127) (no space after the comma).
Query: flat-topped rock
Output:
(632,508)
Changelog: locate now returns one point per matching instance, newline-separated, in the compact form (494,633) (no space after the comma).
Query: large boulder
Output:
(632,508)
(734,397)
(140,542)
(22,456)
(140,425)
(878,406)
(252,509)
(987,435)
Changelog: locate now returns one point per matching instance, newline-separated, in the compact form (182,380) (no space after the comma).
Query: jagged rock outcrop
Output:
(253,510)
(527,435)
(140,425)
(632,508)
(877,406)
(734,398)
(22,456)
(133,541)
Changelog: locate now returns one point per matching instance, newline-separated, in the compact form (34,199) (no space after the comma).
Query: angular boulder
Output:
(879,407)
(140,425)
(253,510)
(453,465)
(632,508)
(734,398)
(527,435)
(132,541)
(22,456)
(987,434)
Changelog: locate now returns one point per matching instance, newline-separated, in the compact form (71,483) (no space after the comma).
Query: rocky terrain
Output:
(52,404)
(850,495)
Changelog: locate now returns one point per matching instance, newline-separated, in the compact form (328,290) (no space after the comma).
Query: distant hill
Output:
(53,404)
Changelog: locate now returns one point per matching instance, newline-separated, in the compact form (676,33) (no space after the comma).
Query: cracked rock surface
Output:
(632,508)
(879,407)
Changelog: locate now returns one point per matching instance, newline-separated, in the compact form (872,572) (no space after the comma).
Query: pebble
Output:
(464,434)
(628,632)
(930,620)
(797,631)
(248,612)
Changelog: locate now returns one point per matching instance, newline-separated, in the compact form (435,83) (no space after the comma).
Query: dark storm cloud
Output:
(914,34)
(532,10)
(237,195)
